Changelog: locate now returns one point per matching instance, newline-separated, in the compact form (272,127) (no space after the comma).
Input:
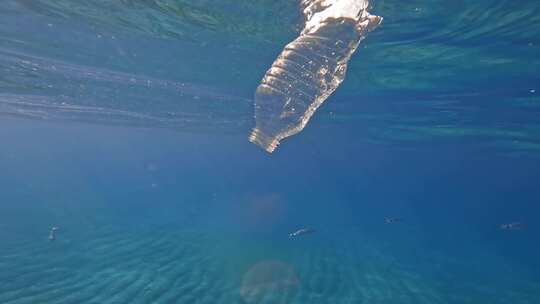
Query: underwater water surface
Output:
(125,125)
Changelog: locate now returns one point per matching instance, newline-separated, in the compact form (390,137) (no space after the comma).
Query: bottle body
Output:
(307,71)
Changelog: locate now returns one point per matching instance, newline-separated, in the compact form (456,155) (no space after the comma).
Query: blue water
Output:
(125,125)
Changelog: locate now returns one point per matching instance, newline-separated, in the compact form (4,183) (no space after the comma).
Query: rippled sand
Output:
(190,267)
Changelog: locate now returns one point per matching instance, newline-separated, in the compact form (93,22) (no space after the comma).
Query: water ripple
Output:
(194,65)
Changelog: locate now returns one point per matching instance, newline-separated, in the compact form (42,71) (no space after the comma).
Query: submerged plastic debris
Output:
(52,233)
(300,232)
(309,68)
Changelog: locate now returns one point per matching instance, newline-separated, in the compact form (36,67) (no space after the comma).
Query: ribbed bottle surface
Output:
(306,72)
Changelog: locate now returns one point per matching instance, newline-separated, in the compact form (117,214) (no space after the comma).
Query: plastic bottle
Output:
(309,68)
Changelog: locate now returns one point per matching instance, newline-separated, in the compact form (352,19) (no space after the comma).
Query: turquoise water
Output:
(125,124)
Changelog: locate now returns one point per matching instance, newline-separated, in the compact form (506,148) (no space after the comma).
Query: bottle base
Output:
(268,143)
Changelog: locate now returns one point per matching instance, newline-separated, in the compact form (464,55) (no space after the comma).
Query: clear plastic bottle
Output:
(309,68)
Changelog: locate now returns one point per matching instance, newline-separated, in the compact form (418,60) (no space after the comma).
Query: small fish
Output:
(392,220)
(301,232)
(52,234)
(512,226)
